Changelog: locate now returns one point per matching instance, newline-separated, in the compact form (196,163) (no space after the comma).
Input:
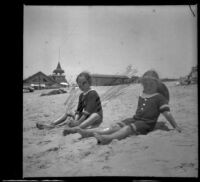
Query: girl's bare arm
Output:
(171,120)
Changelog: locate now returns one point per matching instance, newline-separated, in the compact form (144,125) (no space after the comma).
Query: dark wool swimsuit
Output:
(89,103)
(147,113)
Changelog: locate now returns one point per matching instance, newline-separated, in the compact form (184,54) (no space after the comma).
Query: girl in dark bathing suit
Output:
(89,111)
(152,102)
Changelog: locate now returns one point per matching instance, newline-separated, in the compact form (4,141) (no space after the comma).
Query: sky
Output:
(106,39)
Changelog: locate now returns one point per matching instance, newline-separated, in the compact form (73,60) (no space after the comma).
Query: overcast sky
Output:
(106,39)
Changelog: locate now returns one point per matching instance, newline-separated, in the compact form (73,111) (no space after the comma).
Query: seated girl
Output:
(89,112)
(151,104)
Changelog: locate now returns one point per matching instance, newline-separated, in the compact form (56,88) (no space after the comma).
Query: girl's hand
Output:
(73,123)
(178,129)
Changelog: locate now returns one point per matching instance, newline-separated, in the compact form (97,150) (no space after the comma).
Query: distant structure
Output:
(191,78)
(40,80)
(56,80)
(108,80)
(193,75)
(58,75)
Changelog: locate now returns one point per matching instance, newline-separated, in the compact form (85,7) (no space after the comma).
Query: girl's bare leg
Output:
(61,119)
(120,134)
(90,120)
(54,123)
(90,132)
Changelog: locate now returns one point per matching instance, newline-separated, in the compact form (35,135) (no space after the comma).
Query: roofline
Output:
(110,76)
(42,74)
(33,75)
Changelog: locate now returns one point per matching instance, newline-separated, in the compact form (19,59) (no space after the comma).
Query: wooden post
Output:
(39,83)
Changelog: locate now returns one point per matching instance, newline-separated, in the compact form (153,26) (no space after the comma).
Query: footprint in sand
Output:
(106,168)
(44,166)
(43,142)
(106,155)
(185,166)
(41,154)
(144,147)
(84,154)
(52,149)
(161,160)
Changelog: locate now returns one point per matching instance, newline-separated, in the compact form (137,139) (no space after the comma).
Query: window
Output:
(35,80)
(44,80)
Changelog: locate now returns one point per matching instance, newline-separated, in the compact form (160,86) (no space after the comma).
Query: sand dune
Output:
(163,152)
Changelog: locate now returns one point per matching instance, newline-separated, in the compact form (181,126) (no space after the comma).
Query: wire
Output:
(192,11)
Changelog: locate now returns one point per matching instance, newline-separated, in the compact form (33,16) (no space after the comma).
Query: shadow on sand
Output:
(161,125)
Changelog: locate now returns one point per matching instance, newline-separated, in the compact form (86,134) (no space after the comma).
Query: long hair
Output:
(161,87)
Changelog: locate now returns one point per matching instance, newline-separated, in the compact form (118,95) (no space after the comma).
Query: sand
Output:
(162,153)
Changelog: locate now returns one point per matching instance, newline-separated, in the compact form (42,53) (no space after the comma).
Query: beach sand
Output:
(162,153)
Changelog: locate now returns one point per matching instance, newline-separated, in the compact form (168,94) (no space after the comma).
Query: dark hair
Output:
(162,88)
(87,76)
(151,73)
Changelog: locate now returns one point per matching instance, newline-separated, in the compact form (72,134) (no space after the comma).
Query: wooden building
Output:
(39,80)
(107,80)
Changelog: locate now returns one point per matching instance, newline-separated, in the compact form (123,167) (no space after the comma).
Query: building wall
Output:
(105,81)
(58,78)
(38,79)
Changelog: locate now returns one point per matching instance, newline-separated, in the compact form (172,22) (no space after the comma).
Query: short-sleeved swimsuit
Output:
(147,113)
(88,104)
(163,90)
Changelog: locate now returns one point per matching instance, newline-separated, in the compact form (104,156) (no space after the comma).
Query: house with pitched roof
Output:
(40,80)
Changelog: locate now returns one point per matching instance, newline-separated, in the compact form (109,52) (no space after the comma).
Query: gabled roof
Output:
(39,73)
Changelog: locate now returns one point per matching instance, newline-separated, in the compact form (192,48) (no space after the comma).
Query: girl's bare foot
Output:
(102,139)
(85,133)
(69,130)
(66,132)
(45,126)
(74,129)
